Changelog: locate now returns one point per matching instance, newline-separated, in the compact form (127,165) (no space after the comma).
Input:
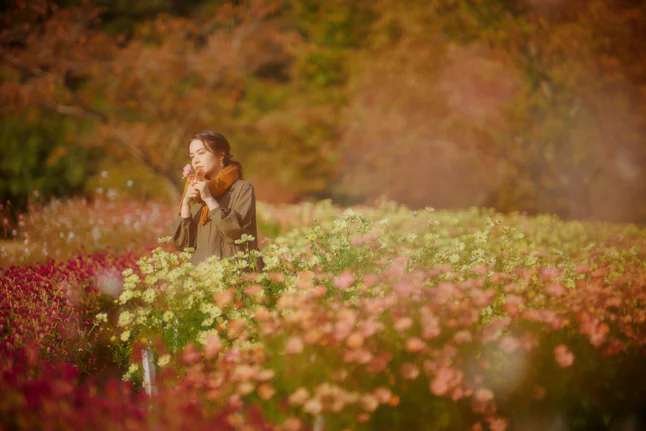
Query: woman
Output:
(226,203)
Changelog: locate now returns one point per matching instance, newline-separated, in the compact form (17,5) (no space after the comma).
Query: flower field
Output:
(368,318)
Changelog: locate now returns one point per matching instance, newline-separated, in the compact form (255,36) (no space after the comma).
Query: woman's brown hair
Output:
(216,143)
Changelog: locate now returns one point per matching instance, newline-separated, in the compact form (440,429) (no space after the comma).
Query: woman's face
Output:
(203,159)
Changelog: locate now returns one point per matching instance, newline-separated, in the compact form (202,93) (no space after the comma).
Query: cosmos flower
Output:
(564,357)
(187,170)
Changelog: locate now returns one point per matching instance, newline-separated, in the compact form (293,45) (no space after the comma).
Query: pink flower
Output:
(409,371)
(294,345)
(483,395)
(397,267)
(482,297)
(494,328)
(187,170)
(190,355)
(598,334)
(266,391)
(342,328)
(379,362)
(292,424)
(354,341)
(430,324)
(594,329)
(497,424)
(299,396)
(445,379)
(415,344)
(370,279)
(213,345)
(549,273)
(512,304)
(369,402)
(614,346)
(463,336)
(254,290)
(383,394)
(403,288)
(223,298)
(344,280)
(313,406)
(564,357)
(445,291)
(403,324)
(369,327)
(555,289)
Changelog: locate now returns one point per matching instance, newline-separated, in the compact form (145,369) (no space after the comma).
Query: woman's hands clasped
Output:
(192,193)
(197,189)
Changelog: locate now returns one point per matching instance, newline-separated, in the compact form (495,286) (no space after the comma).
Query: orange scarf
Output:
(217,186)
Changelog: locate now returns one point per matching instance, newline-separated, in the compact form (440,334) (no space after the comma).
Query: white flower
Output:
(163,360)
(244,238)
(203,336)
(125,296)
(164,239)
(102,317)
(124,318)
(149,295)
(131,370)
(210,309)
(125,335)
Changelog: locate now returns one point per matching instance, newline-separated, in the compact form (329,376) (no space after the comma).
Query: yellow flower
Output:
(125,335)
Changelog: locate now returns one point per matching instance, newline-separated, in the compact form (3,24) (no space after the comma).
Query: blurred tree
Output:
(522,104)
(38,160)
(533,106)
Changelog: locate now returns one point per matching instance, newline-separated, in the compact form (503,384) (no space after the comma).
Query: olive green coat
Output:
(235,215)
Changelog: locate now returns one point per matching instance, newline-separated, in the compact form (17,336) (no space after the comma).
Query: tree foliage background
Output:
(522,105)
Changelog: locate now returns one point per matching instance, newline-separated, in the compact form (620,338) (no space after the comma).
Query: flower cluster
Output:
(64,229)
(52,304)
(465,316)
(367,318)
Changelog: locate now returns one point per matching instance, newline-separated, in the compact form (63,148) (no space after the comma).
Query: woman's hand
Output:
(191,193)
(205,194)
(203,189)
